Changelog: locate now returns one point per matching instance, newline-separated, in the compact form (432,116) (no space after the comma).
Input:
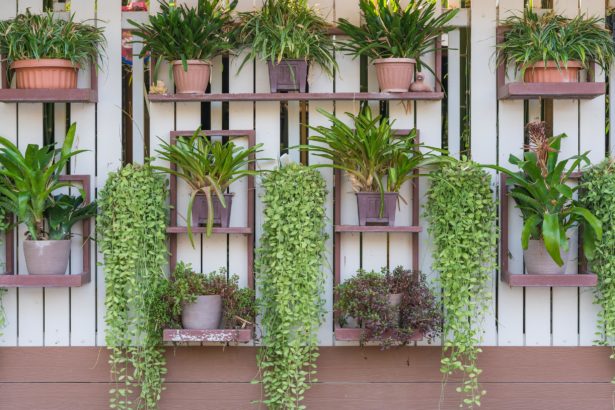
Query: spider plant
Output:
(186,33)
(64,212)
(34,36)
(546,202)
(534,38)
(209,167)
(390,30)
(287,29)
(31,179)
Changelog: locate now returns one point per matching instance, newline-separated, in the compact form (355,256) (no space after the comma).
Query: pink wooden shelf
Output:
(80,95)
(44,281)
(345,334)
(525,91)
(582,280)
(201,229)
(208,335)
(377,228)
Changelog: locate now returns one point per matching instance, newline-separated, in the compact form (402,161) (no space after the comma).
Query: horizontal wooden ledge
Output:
(525,91)
(208,335)
(346,334)
(563,280)
(377,228)
(44,281)
(296,97)
(233,230)
(80,95)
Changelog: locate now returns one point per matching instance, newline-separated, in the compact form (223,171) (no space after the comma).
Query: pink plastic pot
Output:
(45,74)
(551,73)
(193,81)
(395,75)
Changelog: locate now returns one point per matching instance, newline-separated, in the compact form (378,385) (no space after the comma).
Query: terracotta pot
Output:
(395,75)
(550,73)
(539,262)
(204,313)
(193,81)
(45,73)
(368,204)
(46,257)
(288,75)
(222,215)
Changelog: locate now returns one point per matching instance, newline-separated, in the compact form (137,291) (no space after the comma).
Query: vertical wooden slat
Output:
(454,93)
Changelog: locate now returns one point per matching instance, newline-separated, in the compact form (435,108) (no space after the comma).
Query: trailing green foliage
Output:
(597,194)
(461,215)
(389,30)
(34,36)
(291,282)
(132,229)
(543,37)
(64,212)
(187,33)
(287,29)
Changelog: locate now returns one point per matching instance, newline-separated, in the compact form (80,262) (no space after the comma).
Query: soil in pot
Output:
(46,257)
(395,75)
(288,75)
(539,262)
(551,73)
(222,215)
(193,81)
(46,73)
(204,313)
(368,204)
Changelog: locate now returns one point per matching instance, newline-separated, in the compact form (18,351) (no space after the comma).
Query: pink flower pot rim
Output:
(572,64)
(193,62)
(42,63)
(395,60)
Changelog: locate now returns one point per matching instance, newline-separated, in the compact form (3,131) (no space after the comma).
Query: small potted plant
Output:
(288,35)
(396,38)
(209,301)
(27,193)
(209,167)
(549,48)
(46,52)
(188,38)
(547,203)
(377,161)
(390,307)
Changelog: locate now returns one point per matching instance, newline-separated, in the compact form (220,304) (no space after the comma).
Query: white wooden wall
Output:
(530,317)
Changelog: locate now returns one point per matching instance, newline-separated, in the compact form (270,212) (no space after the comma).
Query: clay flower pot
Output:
(288,75)
(204,313)
(395,75)
(368,204)
(222,215)
(539,262)
(551,73)
(193,81)
(46,257)
(45,74)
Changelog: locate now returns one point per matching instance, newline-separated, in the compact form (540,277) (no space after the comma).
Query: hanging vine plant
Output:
(291,282)
(132,225)
(598,186)
(461,214)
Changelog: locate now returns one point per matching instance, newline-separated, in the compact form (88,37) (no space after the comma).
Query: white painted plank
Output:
(138,105)
(454,93)
(35,6)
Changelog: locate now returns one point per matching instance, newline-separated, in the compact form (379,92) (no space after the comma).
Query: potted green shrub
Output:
(209,167)
(47,52)
(376,160)
(188,38)
(549,48)
(390,307)
(396,38)
(547,203)
(27,193)
(209,301)
(288,35)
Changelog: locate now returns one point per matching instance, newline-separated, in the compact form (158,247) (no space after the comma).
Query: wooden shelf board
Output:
(81,95)
(297,97)
(377,228)
(208,335)
(581,280)
(233,230)
(524,91)
(44,281)
(343,334)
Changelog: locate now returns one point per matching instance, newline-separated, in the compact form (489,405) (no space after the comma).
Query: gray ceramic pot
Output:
(46,257)
(368,204)
(539,262)
(204,313)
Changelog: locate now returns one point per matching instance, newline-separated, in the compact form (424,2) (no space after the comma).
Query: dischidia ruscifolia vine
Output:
(461,213)
(291,282)
(132,224)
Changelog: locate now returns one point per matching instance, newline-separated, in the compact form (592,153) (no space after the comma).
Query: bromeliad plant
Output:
(209,168)
(64,212)
(547,203)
